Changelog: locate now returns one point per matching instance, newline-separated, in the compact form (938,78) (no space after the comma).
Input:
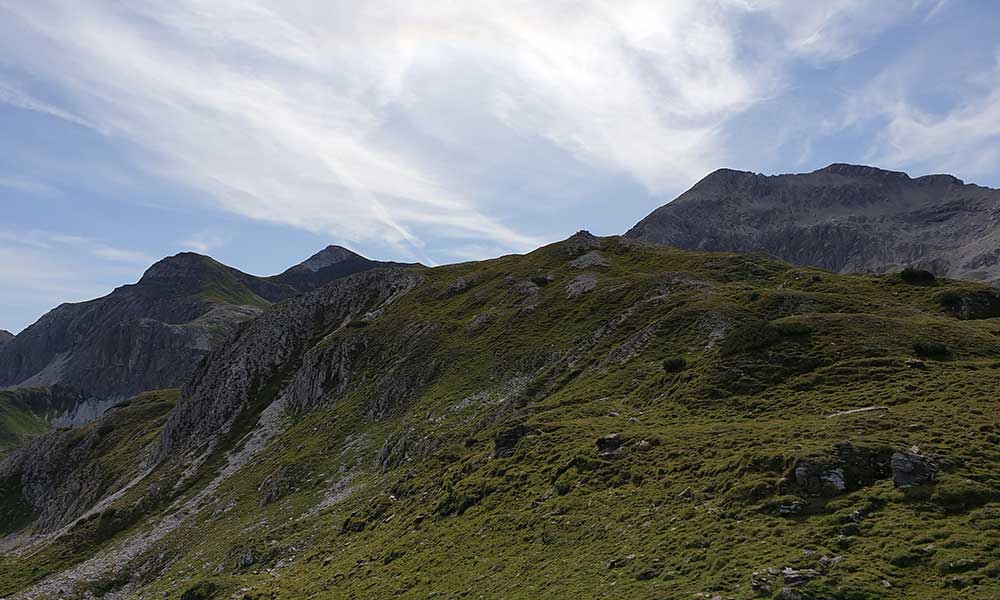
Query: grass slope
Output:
(17,420)
(463,459)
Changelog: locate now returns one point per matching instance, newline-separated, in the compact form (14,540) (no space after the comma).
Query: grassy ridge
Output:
(470,457)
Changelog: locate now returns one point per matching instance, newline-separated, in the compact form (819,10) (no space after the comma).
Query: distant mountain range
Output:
(151,334)
(845,218)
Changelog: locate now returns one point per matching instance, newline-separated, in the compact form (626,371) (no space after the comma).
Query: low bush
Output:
(674,364)
(917,276)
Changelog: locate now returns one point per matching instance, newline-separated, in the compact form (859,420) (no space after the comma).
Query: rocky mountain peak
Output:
(5,336)
(186,265)
(331,255)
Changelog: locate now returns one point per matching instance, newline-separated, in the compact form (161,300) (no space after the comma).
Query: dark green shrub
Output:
(917,276)
(931,349)
(750,336)
(674,364)
(201,591)
(792,328)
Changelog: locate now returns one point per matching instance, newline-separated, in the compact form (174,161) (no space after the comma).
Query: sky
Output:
(259,131)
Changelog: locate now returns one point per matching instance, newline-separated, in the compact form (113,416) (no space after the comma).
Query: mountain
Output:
(151,334)
(5,336)
(844,218)
(333,262)
(598,418)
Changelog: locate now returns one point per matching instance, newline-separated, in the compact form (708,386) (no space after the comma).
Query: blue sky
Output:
(260,131)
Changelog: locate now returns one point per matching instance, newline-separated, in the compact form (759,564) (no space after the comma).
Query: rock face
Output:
(262,353)
(5,336)
(844,218)
(151,334)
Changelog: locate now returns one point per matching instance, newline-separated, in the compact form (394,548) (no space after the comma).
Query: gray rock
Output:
(912,469)
(581,284)
(791,507)
(793,577)
(846,468)
(788,594)
(760,584)
(590,259)
(609,445)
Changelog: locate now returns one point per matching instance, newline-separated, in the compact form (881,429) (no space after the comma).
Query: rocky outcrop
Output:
(5,336)
(849,467)
(270,355)
(844,218)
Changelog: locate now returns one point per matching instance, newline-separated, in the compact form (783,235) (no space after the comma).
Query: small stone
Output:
(759,584)
(788,594)
(798,577)
(791,507)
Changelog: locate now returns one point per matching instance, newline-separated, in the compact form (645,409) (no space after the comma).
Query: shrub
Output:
(917,276)
(929,348)
(201,591)
(674,364)
(792,328)
(750,336)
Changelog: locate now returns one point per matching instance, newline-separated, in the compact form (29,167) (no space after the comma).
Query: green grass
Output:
(689,506)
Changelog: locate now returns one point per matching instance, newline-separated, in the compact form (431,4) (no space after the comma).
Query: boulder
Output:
(609,445)
(910,469)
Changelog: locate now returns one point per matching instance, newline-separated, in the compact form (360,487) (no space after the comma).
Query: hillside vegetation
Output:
(599,418)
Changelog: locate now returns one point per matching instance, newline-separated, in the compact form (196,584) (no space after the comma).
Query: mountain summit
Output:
(329,256)
(845,218)
(332,262)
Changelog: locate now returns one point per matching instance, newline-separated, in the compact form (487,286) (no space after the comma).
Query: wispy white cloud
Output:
(14,95)
(376,121)
(35,188)
(205,241)
(962,136)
